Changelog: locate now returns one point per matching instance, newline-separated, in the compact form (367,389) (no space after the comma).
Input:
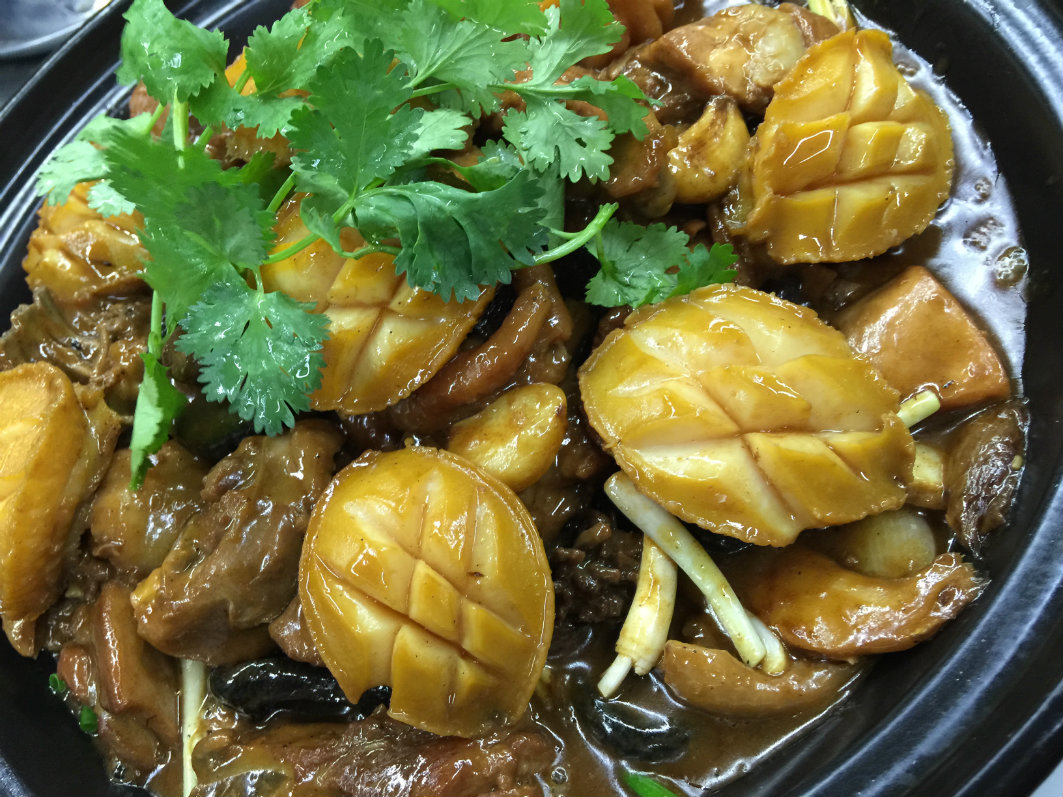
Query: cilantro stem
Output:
(427,91)
(282,192)
(578,240)
(204,137)
(295,248)
(242,80)
(160,109)
(371,249)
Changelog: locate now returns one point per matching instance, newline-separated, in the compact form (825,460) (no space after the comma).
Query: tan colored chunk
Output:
(919,336)
(516,437)
(386,339)
(817,605)
(747,415)
(717,682)
(710,153)
(53,451)
(421,572)
(76,253)
(849,160)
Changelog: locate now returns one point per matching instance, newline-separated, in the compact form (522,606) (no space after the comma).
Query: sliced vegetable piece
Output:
(693,560)
(423,573)
(747,415)
(717,682)
(817,605)
(516,437)
(386,338)
(55,444)
(849,160)
(645,628)
(894,327)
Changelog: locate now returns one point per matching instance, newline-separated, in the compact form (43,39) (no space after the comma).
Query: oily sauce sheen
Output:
(974,247)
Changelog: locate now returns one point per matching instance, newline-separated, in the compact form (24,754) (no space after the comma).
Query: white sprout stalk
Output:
(928,469)
(775,659)
(693,560)
(193,693)
(837,11)
(918,407)
(645,631)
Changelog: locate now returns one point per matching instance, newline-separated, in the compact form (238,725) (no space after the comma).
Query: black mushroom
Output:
(982,471)
(278,686)
(629,729)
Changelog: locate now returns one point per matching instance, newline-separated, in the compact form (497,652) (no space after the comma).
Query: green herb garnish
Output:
(645,786)
(88,721)
(57,684)
(367,92)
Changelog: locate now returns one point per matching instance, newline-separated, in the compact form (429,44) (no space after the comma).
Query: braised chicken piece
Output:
(423,573)
(233,568)
(57,443)
(131,687)
(385,338)
(135,529)
(96,342)
(740,52)
(850,160)
(747,415)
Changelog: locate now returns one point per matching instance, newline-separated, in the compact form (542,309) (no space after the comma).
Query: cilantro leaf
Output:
(220,103)
(88,721)
(106,201)
(512,16)
(441,128)
(230,221)
(705,267)
(453,241)
(474,58)
(576,30)
(261,352)
(641,265)
(549,132)
(81,160)
(359,129)
(173,57)
(158,403)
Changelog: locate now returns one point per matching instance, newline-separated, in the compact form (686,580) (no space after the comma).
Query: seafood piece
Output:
(747,415)
(516,437)
(386,339)
(817,605)
(55,445)
(422,573)
(890,544)
(850,160)
(892,328)
(76,253)
(716,681)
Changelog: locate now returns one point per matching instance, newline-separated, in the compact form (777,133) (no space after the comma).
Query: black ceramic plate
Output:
(979,709)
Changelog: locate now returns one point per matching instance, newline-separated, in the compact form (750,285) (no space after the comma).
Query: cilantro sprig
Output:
(370,97)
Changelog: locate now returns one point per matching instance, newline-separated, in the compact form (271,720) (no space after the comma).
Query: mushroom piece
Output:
(819,606)
(716,681)
(850,160)
(982,471)
(746,415)
(709,154)
(423,573)
(516,437)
